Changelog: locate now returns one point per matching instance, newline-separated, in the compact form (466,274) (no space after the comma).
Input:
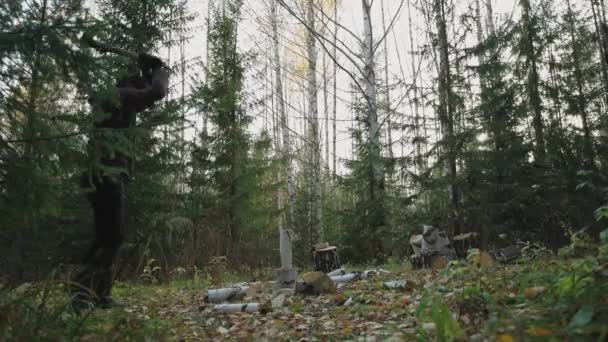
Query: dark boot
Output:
(109,303)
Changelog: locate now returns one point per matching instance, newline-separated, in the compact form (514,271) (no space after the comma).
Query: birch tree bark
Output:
(490,18)
(287,221)
(335,86)
(387,92)
(313,131)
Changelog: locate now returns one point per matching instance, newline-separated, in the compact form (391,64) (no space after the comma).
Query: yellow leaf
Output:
(505,338)
(538,331)
(533,292)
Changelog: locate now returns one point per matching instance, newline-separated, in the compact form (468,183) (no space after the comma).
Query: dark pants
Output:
(94,282)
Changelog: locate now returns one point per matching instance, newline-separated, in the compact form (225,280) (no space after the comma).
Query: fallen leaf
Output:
(533,292)
(505,338)
(538,331)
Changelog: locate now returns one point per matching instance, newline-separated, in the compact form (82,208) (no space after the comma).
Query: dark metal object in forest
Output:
(506,254)
(325,258)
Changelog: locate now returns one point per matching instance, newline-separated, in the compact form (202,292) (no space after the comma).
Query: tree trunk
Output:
(418,144)
(335,99)
(287,221)
(387,93)
(490,18)
(313,132)
(445,113)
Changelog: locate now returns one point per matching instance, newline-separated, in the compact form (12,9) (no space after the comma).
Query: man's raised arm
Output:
(156,75)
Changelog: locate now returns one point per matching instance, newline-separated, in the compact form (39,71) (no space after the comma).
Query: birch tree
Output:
(287,224)
(313,128)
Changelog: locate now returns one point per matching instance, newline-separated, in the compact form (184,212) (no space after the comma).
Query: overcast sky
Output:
(251,38)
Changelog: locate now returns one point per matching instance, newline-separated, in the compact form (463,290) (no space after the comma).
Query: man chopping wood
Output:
(108,173)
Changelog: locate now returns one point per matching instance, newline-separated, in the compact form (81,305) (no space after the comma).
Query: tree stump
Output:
(325,258)
(463,242)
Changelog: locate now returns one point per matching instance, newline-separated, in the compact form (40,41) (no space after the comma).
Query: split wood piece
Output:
(90,41)
(353,276)
(229,308)
(338,272)
(226,294)
(346,278)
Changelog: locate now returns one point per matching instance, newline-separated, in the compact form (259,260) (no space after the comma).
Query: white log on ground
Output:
(338,272)
(229,308)
(226,294)
(346,278)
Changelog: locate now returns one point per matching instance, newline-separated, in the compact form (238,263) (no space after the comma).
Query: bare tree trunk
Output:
(445,113)
(490,18)
(287,220)
(326,109)
(209,9)
(313,133)
(335,99)
(481,55)
(387,93)
(418,144)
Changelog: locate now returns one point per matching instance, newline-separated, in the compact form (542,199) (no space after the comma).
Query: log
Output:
(338,272)
(374,273)
(90,41)
(226,294)
(346,278)
(325,258)
(229,308)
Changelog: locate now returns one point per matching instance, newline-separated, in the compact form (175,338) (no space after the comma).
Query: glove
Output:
(149,63)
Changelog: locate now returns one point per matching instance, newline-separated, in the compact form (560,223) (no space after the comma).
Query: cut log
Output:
(228,308)
(325,258)
(346,278)
(226,294)
(395,285)
(374,273)
(337,272)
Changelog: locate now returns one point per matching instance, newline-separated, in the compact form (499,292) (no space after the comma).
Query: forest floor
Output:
(548,299)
